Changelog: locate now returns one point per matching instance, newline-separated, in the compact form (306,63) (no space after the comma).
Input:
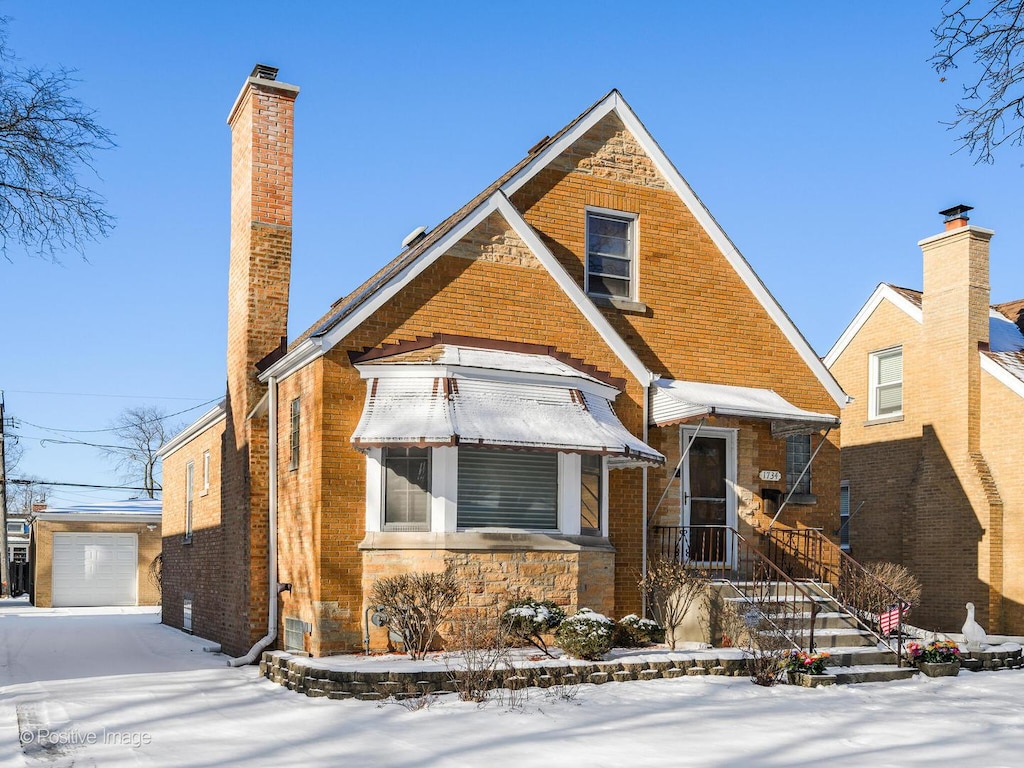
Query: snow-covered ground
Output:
(112,687)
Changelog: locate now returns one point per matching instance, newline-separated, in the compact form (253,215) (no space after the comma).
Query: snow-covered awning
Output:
(503,399)
(674,401)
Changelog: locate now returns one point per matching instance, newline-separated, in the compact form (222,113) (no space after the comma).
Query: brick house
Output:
(511,394)
(930,456)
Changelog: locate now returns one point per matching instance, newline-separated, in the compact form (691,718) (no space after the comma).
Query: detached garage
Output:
(97,554)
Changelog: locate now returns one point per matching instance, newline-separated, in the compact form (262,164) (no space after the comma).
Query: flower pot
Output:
(939,668)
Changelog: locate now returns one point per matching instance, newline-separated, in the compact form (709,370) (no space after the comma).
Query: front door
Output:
(708,502)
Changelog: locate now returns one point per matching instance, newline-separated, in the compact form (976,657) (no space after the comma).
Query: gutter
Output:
(273,586)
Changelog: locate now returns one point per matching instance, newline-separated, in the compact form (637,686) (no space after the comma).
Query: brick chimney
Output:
(955,310)
(262,138)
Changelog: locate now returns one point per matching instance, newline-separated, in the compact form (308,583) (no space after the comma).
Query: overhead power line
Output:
(98,394)
(114,429)
(77,485)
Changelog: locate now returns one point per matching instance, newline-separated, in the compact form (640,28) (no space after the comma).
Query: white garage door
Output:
(95,569)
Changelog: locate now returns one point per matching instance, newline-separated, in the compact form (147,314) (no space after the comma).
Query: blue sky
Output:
(812,131)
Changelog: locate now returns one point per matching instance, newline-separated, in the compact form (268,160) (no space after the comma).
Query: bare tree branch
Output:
(47,142)
(986,37)
(142,431)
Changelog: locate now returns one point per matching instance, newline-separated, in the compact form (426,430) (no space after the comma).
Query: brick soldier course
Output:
(506,269)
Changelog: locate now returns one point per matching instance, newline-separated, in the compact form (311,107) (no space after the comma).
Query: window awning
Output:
(430,404)
(675,401)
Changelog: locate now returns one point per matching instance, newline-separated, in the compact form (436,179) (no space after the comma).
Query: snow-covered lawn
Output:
(113,687)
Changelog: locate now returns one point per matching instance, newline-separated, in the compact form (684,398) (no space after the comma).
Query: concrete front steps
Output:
(854,655)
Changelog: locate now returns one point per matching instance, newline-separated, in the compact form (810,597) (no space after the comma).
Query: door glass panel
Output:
(707,499)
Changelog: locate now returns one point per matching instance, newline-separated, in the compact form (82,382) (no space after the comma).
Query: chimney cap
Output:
(264,72)
(956,212)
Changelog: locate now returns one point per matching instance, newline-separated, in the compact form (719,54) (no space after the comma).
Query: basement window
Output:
(186,615)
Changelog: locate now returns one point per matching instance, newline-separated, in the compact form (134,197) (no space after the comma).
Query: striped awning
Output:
(675,401)
(480,407)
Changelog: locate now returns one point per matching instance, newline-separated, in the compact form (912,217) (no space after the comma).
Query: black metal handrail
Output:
(806,553)
(723,554)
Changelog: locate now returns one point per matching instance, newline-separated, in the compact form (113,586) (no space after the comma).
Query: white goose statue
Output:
(974,634)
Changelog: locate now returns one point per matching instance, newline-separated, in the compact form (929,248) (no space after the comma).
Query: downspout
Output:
(274,587)
(643,556)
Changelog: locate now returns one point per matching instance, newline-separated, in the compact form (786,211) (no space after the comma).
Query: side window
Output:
(293,435)
(190,474)
(406,489)
(591,491)
(798,454)
(886,383)
(844,515)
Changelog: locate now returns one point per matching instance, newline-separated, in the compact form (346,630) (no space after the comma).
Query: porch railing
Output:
(767,592)
(805,553)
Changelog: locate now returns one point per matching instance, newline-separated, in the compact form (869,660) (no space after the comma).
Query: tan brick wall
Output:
(195,570)
(1002,413)
(147,590)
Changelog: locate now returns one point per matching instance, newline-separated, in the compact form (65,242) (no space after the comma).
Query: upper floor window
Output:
(293,436)
(798,457)
(406,489)
(16,528)
(206,472)
(886,383)
(611,261)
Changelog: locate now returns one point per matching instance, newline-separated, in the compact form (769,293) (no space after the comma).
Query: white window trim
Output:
(444,491)
(190,477)
(873,358)
(845,484)
(206,473)
(634,246)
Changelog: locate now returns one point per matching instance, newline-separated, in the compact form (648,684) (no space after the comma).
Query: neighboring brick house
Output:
(503,396)
(98,554)
(931,444)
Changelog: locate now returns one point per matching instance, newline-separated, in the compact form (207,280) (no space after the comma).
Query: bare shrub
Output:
(416,604)
(747,624)
(896,578)
(478,656)
(670,588)
(528,620)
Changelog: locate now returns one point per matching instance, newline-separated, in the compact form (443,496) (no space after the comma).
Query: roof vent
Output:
(956,216)
(414,237)
(264,72)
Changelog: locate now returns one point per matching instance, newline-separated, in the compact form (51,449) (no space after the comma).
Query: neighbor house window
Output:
(798,455)
(507,489)
(610,255)
(293,436)
(206,472)
(886,393)
(844,515)
(16,528)
(590,494)
(406,489)
(190,473)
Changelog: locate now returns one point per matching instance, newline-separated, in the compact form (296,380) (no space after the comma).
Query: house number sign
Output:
(770,475)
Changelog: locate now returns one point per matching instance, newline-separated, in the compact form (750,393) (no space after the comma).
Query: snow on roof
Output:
(125,507)
(673,401)
(1003,335)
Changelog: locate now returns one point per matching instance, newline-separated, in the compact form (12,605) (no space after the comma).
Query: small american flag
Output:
(889,620)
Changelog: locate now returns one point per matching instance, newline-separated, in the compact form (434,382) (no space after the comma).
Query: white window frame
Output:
(383,492)
(15,527)
(874,359)
(444,491)
(190,476)
(294,433)
(206,473)
(634,249)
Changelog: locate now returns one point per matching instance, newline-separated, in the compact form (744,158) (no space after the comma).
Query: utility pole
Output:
(5,571)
